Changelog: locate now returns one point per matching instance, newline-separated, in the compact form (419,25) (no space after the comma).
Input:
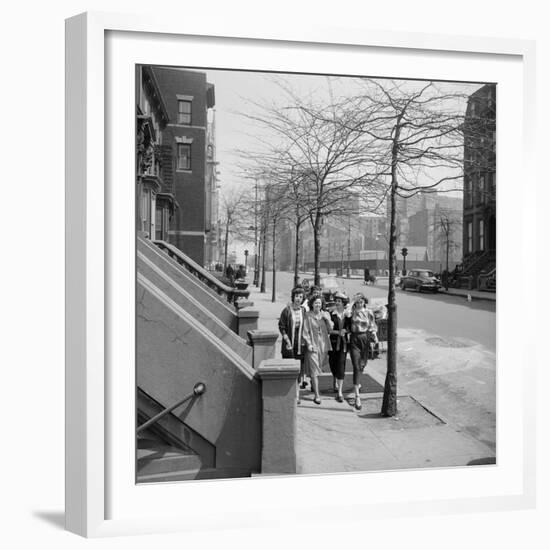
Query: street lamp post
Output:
(378,235)
(348,273)
(404,253)
(376,254)
(256,246)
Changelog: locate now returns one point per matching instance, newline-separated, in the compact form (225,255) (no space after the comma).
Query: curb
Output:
(488,298)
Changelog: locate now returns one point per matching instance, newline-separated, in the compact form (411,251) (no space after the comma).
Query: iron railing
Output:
(198,389)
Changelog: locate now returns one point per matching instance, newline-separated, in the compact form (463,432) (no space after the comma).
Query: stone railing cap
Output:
(278,368)
(245,312)
(263,334)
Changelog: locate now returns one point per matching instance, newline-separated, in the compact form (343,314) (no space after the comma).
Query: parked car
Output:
(420,279)
(329,287)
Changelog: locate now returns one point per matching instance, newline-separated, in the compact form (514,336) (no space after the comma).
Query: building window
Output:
(481,235)
(184,156)
(470,243)
(184,112)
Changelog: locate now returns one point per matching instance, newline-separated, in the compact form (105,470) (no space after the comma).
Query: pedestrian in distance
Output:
(340,317)
(361,324)
(230,274)
(313,290)
(291,326)
(317,326)
(241,272)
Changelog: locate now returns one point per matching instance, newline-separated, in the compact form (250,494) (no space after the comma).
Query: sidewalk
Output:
(334,437)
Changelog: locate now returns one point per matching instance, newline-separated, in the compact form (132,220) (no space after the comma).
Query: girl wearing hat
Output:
(339,342)
(361,324)
(317,325)
(291,323)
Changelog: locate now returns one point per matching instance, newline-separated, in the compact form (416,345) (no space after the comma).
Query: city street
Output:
(446,353)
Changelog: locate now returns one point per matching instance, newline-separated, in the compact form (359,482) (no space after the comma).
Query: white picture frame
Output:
(100,498)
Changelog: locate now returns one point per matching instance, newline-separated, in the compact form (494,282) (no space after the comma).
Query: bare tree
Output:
(321,146)
(235,219)
(447,225)
(416,129)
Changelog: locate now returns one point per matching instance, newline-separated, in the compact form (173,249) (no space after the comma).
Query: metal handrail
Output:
(198,389)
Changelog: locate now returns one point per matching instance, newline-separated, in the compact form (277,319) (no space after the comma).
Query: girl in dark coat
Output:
(291,325)
(339,335)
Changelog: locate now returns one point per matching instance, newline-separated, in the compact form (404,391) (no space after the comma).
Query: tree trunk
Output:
(447,265)
(389,402)
(297,256)
(317,250)
(262,286)
(225,246)
(273,291)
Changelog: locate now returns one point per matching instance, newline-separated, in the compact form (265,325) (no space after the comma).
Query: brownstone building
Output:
(155,201)
(479,217)
(189,151)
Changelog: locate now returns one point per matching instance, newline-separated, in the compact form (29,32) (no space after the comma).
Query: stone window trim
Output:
(185,109)
(184,139)
(186,126)
(183,144)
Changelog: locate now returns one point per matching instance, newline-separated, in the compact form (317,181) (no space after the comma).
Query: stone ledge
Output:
(246,313)
(263,336)
(278,369)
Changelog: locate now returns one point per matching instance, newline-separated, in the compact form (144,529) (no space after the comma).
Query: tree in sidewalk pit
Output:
(296,212)
(323,153)
(234,220)
(447,233)
(276,207)
(416,131)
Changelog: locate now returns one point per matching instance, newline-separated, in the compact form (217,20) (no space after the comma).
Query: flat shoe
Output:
(317,401)
(340,398)
(358,405)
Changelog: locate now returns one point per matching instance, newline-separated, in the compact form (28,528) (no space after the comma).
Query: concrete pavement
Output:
(334,437)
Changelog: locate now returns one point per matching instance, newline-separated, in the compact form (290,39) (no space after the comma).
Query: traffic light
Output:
(404,252)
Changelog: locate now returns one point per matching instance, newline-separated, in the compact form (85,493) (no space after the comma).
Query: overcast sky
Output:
(235,89)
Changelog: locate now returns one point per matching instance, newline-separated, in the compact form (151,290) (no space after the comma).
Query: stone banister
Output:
(232,294)
(279,378)
(263,344)
(247,321)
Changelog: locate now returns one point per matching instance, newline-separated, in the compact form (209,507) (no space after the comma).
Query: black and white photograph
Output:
(250,285)
(315,274)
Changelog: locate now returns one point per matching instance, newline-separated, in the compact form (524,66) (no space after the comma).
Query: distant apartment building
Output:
(188,142)
(479,213)
(429,223)
(374,229)
(438,228)
(405,208)
(212,225)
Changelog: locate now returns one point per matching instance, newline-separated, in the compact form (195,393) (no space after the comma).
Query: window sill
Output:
(181,171)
